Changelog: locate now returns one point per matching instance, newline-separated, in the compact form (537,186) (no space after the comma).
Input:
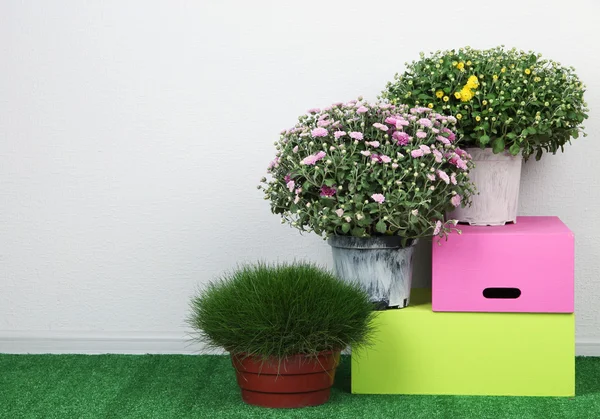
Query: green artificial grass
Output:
(179,386)
(281,310)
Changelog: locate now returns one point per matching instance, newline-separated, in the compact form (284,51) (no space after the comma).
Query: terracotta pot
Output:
(296,381)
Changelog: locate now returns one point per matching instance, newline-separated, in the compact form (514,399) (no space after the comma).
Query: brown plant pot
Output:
(297,381)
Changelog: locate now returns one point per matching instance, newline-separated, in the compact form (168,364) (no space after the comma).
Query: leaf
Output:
(531,130)
(345,228)
(498,145)
(329,182)
(539,153)
(484,139)
(514,149)
(380,226)
(511,135)
(358,232)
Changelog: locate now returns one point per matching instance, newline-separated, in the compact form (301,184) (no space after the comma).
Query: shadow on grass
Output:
(587,381)
(342,376)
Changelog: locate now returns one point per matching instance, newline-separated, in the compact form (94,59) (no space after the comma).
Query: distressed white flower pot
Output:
(496,178)
(379,264)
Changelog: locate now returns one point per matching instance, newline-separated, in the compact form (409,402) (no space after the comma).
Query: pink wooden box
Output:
(526,267)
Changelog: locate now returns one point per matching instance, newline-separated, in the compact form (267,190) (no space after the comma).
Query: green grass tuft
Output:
(281,310)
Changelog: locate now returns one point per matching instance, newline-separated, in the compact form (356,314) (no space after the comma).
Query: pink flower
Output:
(327,191)
(365,153)
(417,153)
(462,153)
(425,122)
(295,149)
(452,120)
(435,130)
(438,228)
(443,139)
(273,162)
(431,176)
(421,134)
(380,126)
(296,199)
(324,122)
(339,212)
(455,200)
(319,132)
(290,185)
(356,135)
(453,178)
(313,110)
(458,162)
(390,120)
(373,143)
(287,178)
(451,135)
(385,159)
(394,165)
(362,109)
(425,149)
(338,134)
(312,159)
(438,156)
(401,137)
(443,176)
(401,122)
(379,198)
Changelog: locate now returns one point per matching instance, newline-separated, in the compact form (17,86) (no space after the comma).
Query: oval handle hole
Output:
(507,293)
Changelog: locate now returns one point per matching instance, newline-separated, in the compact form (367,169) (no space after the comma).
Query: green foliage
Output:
(506,99)
(280,310)
(350,169)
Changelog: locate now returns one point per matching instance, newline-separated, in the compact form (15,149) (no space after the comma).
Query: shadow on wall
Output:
(422,264)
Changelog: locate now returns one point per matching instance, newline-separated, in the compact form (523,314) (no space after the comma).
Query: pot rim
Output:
(376,242)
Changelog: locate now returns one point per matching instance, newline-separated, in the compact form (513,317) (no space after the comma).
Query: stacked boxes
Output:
(499,319)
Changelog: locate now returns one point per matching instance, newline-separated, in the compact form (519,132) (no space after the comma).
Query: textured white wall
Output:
(133,134)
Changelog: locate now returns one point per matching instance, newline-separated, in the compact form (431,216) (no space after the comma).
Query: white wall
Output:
(133,134)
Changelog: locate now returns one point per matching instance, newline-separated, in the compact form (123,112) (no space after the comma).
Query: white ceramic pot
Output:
(496,178)
(379,264)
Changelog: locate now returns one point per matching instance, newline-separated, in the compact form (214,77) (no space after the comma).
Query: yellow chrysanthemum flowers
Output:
(484,102)
(430,106)
(466,94)
(460,65)
(495,77)
(503,70)
(445,98)
(458,116)
(439,94)
(472,82)
(457,95)
(478,118)
(527,71)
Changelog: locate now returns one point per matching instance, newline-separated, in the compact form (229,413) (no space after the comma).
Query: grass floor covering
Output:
(179,386)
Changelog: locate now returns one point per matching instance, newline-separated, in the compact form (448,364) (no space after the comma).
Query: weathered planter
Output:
(297,381)
(496,178)
(380,264)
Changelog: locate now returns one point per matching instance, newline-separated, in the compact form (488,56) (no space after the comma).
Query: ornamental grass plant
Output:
(281,310)
(504,99)
(369,169)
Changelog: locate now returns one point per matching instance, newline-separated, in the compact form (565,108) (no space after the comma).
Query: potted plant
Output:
(372,178)
(284,326)
(509,105)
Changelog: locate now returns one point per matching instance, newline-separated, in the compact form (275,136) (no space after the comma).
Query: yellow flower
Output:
(527,71)
(454,63)
(495,77)
(484,102)
(472,83)
(466,94)
(439,94)
(457,95)
(460,65)
(446,99)
(468,62)
(478,118)
(458,116)
(503,70)
(430,106)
